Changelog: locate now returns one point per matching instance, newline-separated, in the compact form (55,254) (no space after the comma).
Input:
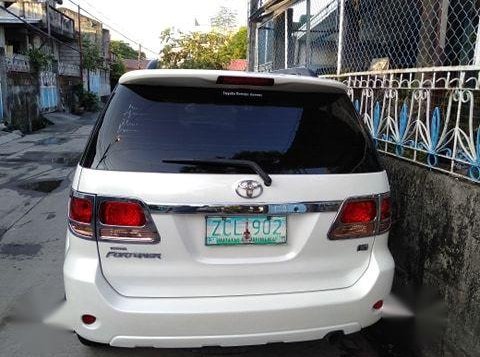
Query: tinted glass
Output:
(285,133)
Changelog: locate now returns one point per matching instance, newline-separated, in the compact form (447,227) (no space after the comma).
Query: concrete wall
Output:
(66,87)
(435,240)
(68,55)
(3,73)
(22,101)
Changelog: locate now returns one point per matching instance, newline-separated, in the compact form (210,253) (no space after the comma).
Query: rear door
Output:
(312,146)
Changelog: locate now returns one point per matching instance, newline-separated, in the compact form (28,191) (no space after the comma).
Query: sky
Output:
(143,20)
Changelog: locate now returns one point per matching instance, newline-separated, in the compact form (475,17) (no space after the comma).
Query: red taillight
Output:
(360,218)
(359,212)
(126,221)
(115,219)
(385,214)
(385,208)
(80,215)
(122,213)
(81,209)
(246,81)
(378,305)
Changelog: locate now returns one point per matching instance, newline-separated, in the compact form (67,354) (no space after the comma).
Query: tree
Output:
(121,50)
(193,50)
(92,58)
(224,20)
(236,47)
(117,68)
(124,51)
(211,50)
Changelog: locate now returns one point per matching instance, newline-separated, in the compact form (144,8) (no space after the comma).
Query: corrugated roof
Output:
(237,65)
(133,64)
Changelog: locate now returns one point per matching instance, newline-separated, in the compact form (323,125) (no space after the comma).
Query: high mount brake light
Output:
(119,220)
(362,217)
(246,81)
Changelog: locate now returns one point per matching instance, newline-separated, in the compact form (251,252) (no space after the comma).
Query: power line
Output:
(37,29)
(106,17)
(111,27)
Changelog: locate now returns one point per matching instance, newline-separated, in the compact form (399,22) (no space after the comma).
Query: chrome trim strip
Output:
(277,208)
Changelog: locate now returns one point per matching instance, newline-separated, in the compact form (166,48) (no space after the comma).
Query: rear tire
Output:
(89,343)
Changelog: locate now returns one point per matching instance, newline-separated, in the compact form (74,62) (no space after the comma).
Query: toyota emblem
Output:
(249,189)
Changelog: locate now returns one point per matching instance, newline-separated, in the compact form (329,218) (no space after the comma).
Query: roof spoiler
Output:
(297,71)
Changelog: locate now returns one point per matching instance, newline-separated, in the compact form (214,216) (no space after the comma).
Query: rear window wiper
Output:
(267,180)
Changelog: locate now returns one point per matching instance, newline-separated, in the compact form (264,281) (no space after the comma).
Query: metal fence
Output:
(341,36)
(412,69)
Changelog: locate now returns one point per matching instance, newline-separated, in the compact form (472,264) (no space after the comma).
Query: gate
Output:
(48,92)
(95,82)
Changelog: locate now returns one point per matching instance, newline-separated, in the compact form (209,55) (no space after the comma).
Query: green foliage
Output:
(193,50)
(212,50)
(90,101)
(124,51)
(117,68)
(92,58)
(121,50)
(39,60)
(236,47)
(87,100)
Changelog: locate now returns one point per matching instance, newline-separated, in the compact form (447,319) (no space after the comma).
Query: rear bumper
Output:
(219,321)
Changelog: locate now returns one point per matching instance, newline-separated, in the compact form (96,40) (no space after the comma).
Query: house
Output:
(237,65)
(30,61)
(134,64)
(92,32)
(40,62)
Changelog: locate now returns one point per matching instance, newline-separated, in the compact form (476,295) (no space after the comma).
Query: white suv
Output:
(226,208)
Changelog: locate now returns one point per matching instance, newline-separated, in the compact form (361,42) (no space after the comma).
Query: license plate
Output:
(238,230)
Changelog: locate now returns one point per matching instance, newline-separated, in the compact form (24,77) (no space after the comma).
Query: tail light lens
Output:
(121,213)
(362,217)
(80,215)
(385,214)
(359,212)
(126,221)
(113,219)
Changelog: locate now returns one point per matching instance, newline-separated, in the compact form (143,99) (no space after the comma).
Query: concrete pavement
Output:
(35,174)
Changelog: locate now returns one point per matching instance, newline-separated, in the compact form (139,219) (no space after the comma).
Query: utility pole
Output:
(477,48)
(80,42)
(308,38)
(47,15)
(139,55)
(340,37)
(49,31)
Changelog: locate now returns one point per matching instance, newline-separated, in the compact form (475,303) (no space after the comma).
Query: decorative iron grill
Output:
(430,117)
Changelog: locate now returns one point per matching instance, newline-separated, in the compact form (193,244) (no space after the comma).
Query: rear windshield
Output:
(285,133)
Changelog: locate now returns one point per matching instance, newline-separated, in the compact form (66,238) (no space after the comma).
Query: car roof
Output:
(208,79)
